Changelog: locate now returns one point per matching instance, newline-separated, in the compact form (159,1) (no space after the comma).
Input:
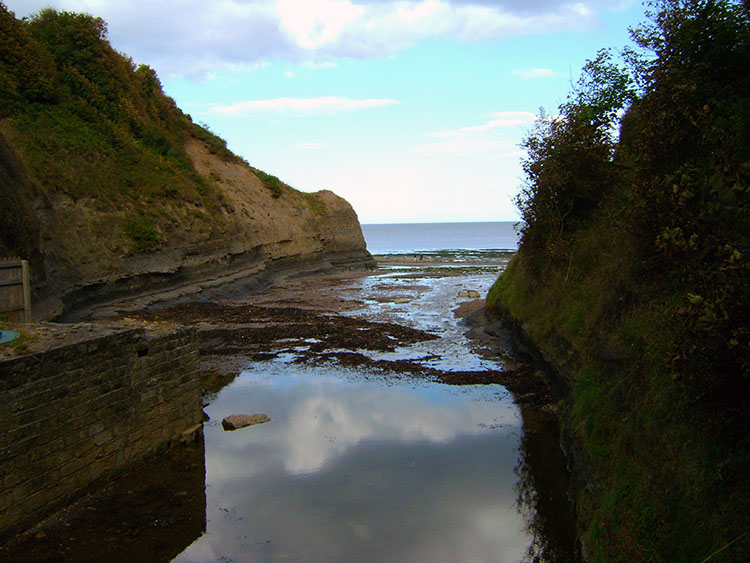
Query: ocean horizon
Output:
(409,238)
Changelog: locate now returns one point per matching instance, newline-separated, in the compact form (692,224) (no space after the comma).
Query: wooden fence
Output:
(15,294)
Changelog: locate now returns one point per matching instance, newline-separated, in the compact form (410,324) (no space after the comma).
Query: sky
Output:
(412,110)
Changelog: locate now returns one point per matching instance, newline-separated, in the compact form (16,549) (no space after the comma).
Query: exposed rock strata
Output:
(253,237)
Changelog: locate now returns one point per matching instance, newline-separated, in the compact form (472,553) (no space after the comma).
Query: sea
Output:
(410,238)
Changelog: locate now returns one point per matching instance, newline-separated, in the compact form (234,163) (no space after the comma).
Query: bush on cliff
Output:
(642,270)
(569,166)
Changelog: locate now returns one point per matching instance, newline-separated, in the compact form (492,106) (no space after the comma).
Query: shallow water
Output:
(366,468)
(362,466)
(431,301)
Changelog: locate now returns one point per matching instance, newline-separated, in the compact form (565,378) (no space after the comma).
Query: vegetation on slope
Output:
(632,277)
(87,122)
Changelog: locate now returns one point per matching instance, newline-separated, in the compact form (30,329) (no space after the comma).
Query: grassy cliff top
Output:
(80,120)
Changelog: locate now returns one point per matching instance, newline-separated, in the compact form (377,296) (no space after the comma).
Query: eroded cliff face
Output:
(92,250)
(111,192)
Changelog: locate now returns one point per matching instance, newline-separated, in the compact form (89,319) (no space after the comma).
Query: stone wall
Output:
(78,415)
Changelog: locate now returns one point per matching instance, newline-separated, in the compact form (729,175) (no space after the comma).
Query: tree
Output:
(691,152)
(569,164)
(27,73)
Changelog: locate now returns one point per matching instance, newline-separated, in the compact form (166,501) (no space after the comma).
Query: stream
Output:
(360,465)
(377,450)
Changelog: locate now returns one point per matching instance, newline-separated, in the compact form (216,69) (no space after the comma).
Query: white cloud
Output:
(326,105)
(500,120)
(288,74)
(533,73)
(193,37)
(314,23)
(499,135)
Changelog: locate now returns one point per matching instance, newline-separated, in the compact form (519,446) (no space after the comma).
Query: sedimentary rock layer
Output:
(84,254)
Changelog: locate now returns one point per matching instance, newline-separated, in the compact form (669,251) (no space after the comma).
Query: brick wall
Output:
(79,415)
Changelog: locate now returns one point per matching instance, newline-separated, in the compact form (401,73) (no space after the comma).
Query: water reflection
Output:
(351,467)
(372,468)
(152,513)
(543,491)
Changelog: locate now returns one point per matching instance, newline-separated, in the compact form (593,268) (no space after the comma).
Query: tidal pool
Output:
(375,466)
(354,465)
(361,467)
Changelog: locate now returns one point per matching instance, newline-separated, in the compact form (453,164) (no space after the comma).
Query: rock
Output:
(470,293)
(237,421)
(401,300)
(298,233)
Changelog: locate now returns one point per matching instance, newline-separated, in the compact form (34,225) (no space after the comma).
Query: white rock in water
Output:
(236,421)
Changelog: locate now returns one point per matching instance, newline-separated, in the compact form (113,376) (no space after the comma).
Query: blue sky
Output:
(411,110)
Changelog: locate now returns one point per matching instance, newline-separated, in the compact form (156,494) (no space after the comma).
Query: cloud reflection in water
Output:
(371,470)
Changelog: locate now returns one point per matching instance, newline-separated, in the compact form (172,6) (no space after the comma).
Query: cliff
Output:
(112,192)
(631,281)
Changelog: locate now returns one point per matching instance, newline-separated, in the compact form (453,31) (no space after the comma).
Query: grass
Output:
(668,490)
(143,233)
(105,136)
(312,201)
(272,183)
(105,132)
(21,344)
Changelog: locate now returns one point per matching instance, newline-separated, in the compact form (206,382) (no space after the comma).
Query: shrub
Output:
(569,166)
(272,183)
(143,233)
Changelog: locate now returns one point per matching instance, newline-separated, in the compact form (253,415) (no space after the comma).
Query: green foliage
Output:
(28,71)
(143,233)
(568,169)
(603,89)
(86,122)
(215,144)
(272,183)
(569,165)
(691,149)
(636,255)
(89,69)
